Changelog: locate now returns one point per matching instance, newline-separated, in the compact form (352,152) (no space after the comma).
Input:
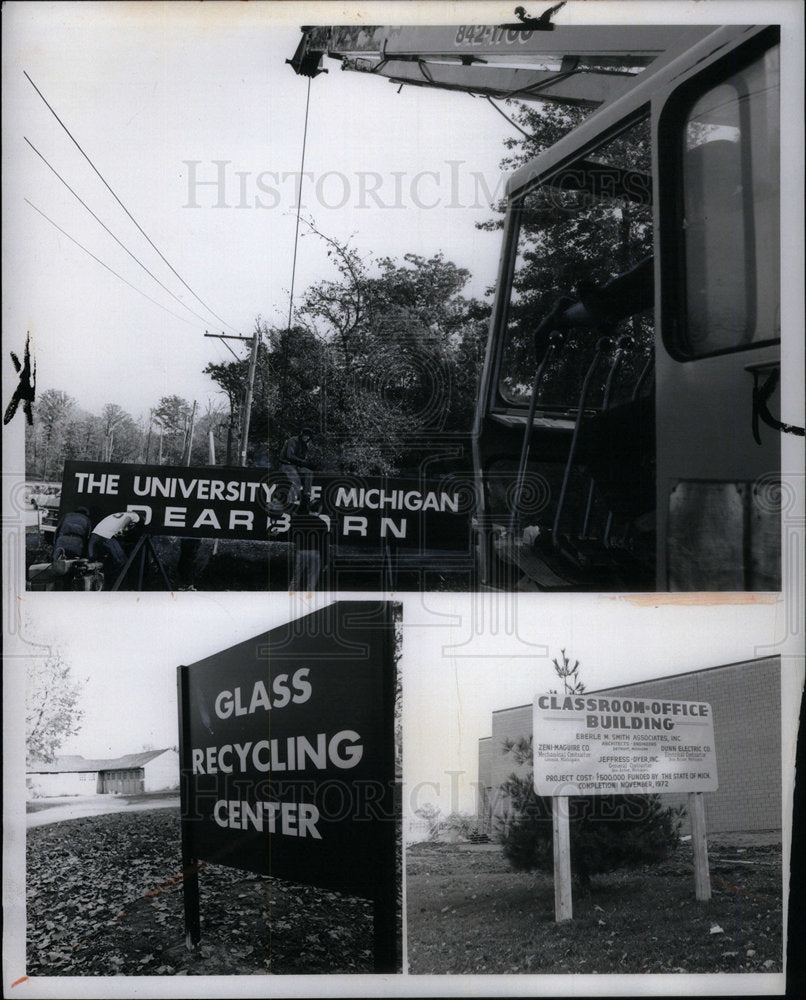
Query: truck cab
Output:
(627,434)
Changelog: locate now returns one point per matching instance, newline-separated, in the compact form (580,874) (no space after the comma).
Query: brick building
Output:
(745,699)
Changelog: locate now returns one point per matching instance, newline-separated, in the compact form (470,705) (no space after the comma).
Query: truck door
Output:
(718,353)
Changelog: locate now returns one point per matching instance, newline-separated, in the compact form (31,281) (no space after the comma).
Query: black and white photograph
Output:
(403,497)
(663,750)
(248,806)
(286,328)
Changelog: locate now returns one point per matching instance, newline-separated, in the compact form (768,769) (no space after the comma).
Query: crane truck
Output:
(627,433)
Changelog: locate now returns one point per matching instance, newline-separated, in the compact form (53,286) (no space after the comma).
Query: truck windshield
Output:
(584,266)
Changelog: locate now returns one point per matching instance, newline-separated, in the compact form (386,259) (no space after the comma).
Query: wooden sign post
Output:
(702,878)
(585,745)
(563,904)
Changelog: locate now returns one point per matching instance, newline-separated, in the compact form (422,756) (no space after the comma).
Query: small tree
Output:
(52,710)
(431,814)
(607,831)
(460,823)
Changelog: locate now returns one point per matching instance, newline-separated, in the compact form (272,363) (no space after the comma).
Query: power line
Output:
(108,230)
(103,179)
(299,206)
(108,268)
(222,338)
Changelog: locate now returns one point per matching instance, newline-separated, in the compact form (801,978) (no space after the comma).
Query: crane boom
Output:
(578,65)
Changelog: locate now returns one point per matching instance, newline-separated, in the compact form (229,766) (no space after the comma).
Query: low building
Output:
(148,771)
(745,700)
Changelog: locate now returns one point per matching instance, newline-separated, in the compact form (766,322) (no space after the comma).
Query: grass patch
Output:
(468,912)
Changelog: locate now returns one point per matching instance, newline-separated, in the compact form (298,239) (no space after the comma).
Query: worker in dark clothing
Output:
(72,535)
(309,534)
(186,564)
(293,462)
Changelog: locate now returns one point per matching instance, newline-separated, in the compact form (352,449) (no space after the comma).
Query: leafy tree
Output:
(52,709)
(402,355)
(63,431)
(379,356)
(45,439)
(120,435)
(172,416)
(83,437)
(220,373)
(231,377)
(340,311)
(300,374)
(607,831)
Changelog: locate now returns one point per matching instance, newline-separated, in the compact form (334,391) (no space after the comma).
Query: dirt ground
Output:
(105,898)
(469,912)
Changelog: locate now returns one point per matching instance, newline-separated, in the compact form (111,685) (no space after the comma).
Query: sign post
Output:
(563,902)
(190,869)
(602,745)
(287,761)
(702,877)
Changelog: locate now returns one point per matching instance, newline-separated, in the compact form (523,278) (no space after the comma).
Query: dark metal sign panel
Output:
(369,513)
(287,754)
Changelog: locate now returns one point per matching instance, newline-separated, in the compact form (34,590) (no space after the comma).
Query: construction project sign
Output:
(605,745)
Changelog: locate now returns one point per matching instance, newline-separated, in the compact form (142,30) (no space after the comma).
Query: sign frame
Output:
(591,742)
(370,514)
(655,719)
(356,633)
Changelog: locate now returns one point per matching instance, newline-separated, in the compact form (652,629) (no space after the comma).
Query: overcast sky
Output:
(180,105)
(165,99)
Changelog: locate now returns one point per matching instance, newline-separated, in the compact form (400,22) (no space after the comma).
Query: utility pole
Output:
(250,387)
(247,405)
(189,440)
(148,436)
